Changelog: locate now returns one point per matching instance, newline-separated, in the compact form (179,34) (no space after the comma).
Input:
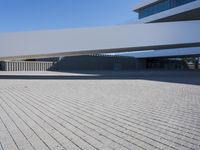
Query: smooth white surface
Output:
(109,39)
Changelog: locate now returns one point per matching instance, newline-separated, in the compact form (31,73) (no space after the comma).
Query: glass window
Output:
(181,2)
(161,6)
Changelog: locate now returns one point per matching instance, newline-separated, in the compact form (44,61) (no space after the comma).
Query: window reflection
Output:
(161,6)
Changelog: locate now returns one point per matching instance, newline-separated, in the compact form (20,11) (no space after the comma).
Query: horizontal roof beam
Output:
(120,38)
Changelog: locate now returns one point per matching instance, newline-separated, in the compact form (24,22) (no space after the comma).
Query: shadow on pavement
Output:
(184,77)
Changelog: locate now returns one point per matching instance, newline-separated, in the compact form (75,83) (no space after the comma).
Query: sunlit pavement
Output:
(134,111)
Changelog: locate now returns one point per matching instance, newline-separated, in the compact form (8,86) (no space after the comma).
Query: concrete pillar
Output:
(18,66)
(39,68)
(6,66)
(42,66)
(28,66)
(36,69)
(15,68)
(13,65)
(25,66)
(33,66)
(46,66)
(22,63)
(21,66)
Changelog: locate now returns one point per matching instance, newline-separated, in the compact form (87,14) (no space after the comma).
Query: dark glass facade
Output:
(161,6)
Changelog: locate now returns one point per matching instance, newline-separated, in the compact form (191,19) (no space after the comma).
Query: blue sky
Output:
(29,15)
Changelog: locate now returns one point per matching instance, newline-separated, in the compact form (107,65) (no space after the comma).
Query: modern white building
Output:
(154,11)
(164,28)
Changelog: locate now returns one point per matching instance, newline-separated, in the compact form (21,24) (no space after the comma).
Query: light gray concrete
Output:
(121,38)
(101,114)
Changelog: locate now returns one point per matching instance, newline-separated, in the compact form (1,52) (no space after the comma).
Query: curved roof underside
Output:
(177,52)
(123,38)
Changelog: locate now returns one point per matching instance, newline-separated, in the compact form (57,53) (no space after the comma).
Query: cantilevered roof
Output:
(121,38)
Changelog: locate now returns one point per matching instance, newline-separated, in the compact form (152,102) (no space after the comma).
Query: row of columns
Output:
(28,66)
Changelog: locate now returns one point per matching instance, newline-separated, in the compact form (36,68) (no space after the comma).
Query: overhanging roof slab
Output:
(120,38)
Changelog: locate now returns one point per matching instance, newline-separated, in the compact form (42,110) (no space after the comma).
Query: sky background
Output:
(30,15)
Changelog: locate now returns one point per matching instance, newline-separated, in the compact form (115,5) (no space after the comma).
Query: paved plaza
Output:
(121,111)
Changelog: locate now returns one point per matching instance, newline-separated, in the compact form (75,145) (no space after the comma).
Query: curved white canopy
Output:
(103,39)
(177,52)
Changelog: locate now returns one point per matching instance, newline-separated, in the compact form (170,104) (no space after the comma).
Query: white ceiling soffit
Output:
(121,38)
(163,53)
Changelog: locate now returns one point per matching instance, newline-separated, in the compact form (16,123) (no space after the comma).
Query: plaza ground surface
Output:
(143,110)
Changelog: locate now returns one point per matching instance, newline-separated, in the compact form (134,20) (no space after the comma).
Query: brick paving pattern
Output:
(99,115)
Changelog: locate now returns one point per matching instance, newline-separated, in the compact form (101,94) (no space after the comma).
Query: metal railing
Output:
(27,66)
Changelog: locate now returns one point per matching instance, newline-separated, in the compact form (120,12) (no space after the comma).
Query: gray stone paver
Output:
(99,114)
